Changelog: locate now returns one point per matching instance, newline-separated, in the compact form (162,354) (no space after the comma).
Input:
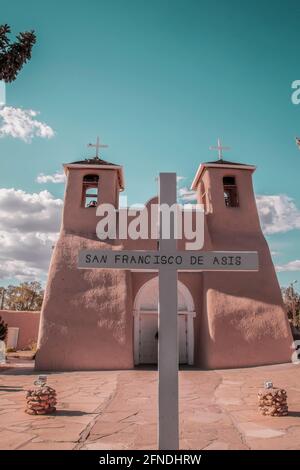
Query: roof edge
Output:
(118,168)
(202,167)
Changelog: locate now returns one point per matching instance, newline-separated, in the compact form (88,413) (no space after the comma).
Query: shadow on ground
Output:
(71,413)
(294,414)
(7,388)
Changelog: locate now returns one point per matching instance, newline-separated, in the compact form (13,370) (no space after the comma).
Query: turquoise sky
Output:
(159,81)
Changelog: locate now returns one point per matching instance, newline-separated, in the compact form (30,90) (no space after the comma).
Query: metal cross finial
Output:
(97,145)
(219,147)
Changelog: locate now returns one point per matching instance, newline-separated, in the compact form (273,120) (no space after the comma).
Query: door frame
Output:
(189,312)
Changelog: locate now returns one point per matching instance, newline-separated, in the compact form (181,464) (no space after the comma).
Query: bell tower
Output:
(90,182)
(86,317)
(225,189)
(240,307)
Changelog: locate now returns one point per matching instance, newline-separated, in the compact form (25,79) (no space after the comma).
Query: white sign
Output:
(179,260)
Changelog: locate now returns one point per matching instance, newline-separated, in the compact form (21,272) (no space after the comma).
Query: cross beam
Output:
(97,146)
(167,261)
(219,148)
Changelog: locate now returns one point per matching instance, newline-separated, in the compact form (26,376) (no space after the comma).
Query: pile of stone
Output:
(272,401)
(41,400)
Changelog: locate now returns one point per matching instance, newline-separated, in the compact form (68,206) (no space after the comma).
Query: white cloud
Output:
(291,266)
(278,213)
(37,212)
(21,124)
(20,271)
(29,225)
(57,177)
(186,195)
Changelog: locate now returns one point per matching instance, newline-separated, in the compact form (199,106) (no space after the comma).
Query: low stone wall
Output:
(27,322)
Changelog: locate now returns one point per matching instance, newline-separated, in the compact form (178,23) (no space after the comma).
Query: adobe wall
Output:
(77,218)
(27,322)
(87,314)
(244,321)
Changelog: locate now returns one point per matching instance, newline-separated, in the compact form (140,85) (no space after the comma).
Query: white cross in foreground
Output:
(219,147)
(168,422)
(97,145)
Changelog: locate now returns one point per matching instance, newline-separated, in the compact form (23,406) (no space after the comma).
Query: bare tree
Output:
(2,297)
(14,55)
(26,296)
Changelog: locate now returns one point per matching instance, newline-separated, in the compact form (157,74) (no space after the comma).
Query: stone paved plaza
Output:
(117,410)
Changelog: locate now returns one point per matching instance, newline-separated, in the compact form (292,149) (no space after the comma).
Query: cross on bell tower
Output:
(219,148)
(97,146)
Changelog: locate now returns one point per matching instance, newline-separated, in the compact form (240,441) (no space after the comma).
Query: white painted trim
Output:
(190,339)
(136,335)
(151,312)
(82,165)
(154,280)
(185,270)
(190,315)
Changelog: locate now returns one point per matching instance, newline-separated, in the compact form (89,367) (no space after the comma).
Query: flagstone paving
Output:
(117,410)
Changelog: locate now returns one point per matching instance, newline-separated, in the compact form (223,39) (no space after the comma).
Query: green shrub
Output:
(3,330)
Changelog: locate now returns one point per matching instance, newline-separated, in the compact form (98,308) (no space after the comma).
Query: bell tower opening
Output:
(230,191)
(90,191)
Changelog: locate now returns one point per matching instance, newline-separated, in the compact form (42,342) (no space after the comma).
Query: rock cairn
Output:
(41,400)
(272,401)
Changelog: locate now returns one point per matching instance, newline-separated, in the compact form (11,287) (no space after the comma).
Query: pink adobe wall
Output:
(28,322)
(87,315)
(78,218)
(244,321)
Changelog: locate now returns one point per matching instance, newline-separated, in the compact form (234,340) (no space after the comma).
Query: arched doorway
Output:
(146,324)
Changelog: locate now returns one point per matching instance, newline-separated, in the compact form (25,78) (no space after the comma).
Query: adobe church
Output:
(108,319)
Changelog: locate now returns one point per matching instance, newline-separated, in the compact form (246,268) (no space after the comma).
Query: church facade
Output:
(108,319)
